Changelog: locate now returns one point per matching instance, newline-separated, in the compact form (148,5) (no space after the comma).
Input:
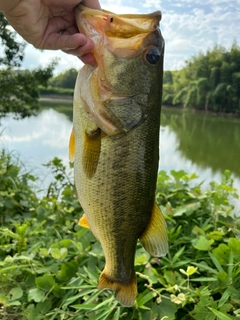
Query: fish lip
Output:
(133,28)
(144,23)
(80,7)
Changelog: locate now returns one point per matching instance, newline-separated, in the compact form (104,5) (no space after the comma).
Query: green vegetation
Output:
(19,88)
(49,266)
(43,91)
(204,139)
(209,82)
(60,85)
(65,79)
(13,50)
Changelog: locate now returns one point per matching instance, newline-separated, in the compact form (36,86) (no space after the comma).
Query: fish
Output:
(114,143)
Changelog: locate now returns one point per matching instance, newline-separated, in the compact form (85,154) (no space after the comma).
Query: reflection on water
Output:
(200,143)
(194,142)
(37,139)
(61,106)
(208,141)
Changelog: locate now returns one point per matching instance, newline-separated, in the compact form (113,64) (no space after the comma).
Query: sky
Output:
(188,27)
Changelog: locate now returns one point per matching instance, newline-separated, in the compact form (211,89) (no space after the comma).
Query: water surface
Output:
(194,142)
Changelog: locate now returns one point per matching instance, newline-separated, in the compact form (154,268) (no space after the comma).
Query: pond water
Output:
(194,142)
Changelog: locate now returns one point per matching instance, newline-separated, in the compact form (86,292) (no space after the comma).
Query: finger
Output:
(94,4)
(83,52)
(80,50)
(86,58)
(56,41)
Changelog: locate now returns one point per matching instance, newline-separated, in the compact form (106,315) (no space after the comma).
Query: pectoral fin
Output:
(91,152)
(154,238)
(83,222)
(71,147)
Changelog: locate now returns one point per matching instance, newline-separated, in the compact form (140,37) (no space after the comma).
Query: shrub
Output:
(50,266)
(55,91)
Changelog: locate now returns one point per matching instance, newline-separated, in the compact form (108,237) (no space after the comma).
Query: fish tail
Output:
(125,293)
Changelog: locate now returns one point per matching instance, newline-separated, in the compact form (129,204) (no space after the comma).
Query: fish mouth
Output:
(113,31)
(118,25)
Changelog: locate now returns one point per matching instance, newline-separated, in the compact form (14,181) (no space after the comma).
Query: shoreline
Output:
(66,98)
(217,114)
(56,98)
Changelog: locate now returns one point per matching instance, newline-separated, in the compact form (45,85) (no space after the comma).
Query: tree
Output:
(167,77)
(18,88)
(236,86)
(64,80)
(209,81)
(13,50)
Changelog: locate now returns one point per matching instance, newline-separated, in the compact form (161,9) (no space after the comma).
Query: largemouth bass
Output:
(115,141)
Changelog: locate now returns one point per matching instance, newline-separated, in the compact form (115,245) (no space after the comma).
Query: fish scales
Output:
(107,202)
(115,143)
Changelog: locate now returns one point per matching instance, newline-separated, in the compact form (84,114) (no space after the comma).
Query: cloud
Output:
(37,139)
(188,27)
(35,58)
(194,30)
(118,6)
(152,4)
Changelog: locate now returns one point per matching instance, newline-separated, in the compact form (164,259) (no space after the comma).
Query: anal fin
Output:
(154,239)
(83,222)
(71,147)
(125,293)
(91,152)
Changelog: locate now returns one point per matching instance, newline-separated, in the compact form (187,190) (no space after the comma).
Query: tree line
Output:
(209,82)
(60,85)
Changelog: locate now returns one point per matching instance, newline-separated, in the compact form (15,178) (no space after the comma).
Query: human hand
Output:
(50,24)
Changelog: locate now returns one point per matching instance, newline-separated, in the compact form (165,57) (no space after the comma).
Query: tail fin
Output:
(125,293)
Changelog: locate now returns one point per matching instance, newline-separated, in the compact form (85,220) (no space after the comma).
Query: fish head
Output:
(128,51)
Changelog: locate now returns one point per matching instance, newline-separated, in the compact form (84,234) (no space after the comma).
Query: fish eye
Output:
(152,56)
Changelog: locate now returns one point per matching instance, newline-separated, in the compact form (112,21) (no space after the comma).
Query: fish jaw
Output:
(108,29)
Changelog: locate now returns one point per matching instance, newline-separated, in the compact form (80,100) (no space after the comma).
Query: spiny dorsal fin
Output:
(154,238)
(83,222)
(71,146)
(91,152)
